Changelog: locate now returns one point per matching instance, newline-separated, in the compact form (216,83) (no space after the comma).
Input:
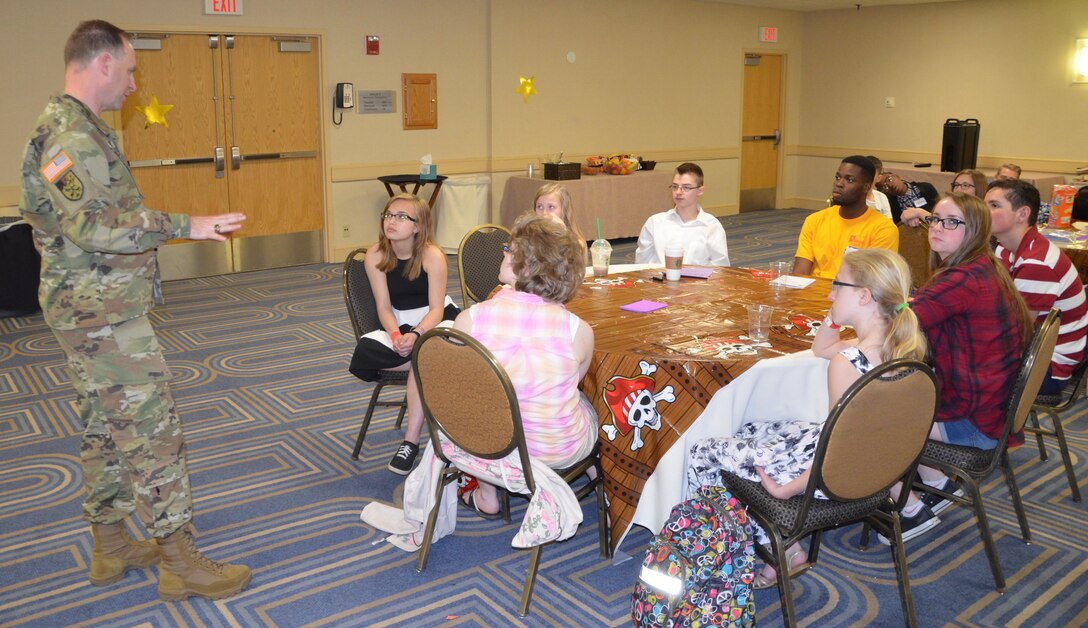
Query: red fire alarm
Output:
(372,45)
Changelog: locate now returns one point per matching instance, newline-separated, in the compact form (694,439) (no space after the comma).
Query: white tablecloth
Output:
(788,387)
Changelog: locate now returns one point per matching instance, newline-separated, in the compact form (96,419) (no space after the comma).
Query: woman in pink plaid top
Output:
(544,348)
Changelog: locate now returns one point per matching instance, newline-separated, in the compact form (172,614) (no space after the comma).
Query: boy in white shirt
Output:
(686,224)
(877,199)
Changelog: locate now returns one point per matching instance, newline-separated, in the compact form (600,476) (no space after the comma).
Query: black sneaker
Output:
(402,461)
(937,503)
(914,526)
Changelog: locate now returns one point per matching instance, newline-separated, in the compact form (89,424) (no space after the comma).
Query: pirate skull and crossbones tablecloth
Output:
(652,374)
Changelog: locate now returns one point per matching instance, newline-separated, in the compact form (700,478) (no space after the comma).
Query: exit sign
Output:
(768,34)
(222,7)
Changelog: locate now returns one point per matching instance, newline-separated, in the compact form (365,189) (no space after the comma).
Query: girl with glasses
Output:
(869,294)
(977,325)
(407,273)
(969,181)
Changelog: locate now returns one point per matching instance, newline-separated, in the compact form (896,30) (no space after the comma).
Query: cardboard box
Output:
(1061,206)
(562,171)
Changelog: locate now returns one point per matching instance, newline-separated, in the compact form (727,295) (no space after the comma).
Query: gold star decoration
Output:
(526,87)
(155,113)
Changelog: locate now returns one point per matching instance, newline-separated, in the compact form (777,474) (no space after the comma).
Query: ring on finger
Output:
(217,228)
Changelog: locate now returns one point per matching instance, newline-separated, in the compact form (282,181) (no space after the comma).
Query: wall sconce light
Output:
(1080,62)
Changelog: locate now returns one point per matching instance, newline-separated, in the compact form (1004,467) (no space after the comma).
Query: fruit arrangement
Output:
(621,164)
(593,165)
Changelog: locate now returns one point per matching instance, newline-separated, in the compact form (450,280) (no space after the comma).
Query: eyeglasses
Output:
(951,224)
(506,248)
(401,217)
(835,283)
(963,186)
(685,188)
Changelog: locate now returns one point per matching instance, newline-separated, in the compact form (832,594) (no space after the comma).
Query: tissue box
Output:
(428,172)
(562,171)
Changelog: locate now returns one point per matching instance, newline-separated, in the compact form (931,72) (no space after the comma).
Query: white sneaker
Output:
(923,521)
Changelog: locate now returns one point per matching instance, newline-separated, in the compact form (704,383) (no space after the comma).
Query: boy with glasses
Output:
(909,199)
(700,234)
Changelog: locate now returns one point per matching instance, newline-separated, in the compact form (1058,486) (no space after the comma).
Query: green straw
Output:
(598,228)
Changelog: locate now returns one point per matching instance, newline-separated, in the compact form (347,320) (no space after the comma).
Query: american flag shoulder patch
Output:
(56,167)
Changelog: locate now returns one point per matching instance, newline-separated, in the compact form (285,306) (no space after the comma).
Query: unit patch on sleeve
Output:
(70,186)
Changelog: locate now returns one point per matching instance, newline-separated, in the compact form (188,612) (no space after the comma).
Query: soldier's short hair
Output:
(91,38)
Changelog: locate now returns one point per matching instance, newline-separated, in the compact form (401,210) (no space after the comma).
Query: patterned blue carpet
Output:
(270,412)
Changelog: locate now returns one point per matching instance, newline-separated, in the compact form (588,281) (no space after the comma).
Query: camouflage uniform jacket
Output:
(97,240)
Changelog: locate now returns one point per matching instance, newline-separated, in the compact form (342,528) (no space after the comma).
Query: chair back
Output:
(358,295)
(914,247)
(478,261)
(874,435)
(467,396)
(1033,369)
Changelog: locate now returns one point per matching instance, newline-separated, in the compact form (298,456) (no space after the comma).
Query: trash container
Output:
(20,268)
(462,204)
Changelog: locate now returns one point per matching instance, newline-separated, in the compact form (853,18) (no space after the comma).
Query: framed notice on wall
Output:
(377,101)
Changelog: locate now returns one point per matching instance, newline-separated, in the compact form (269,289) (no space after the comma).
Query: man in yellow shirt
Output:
(850,224)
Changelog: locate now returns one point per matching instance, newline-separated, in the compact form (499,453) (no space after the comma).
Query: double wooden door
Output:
(240,131)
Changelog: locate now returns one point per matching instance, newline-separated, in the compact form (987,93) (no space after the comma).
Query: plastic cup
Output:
(601,260)
(780,269)
(601,254)
(674,261)
(759,321)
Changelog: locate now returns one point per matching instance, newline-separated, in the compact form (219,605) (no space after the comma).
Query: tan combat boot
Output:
(185,571)
(115,552)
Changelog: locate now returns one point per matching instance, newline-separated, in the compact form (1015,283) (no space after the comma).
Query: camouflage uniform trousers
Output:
(133,449)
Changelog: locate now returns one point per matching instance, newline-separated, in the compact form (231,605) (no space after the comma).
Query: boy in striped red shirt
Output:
(1042,273)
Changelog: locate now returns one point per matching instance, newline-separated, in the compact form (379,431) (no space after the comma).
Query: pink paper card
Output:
(697,273)
(643,306)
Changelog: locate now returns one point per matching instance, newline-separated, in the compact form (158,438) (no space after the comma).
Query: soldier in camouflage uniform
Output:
(100,278)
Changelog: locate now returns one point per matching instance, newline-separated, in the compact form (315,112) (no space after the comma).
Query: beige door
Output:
(243,135)
(761,131)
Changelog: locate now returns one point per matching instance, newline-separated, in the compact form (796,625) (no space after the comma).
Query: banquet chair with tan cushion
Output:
(468,400)
(871,440)
(363,313)
(1057,431)
(974,465)
(914,247)
(478,261)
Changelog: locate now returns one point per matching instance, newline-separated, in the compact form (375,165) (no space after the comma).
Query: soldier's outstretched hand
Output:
(215,227)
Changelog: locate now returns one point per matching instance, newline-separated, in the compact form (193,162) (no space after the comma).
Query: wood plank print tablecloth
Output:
(653,374)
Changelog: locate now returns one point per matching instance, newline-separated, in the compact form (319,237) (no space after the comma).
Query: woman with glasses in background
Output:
(407,273)
(969,181)
(977,325)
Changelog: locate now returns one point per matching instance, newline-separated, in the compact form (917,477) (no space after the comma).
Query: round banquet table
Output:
(653,374)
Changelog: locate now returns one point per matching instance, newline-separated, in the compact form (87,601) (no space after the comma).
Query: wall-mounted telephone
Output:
(344,95)
(343,98)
